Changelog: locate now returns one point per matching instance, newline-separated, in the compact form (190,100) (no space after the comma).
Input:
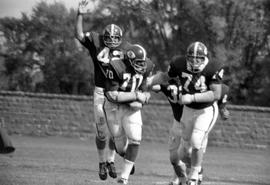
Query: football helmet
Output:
(136,55)
(196,57)
(112,36)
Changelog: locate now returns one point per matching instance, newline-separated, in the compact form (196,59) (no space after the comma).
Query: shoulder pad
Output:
(177,64)
(212,68)
(119,67)
(124,45)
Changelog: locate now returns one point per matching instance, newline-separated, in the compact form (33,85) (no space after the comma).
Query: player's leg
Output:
(200,175)
(174,146)
(132,124)
(101,130)
(203,124)
(111,158)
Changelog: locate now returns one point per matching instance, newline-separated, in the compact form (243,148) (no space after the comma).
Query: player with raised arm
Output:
(201,81)
(126,94)
(102,49)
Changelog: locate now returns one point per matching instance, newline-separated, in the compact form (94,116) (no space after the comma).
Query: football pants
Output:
(197,123)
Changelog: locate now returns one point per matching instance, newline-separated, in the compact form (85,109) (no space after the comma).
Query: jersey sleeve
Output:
(215,72)
(91,39)
(224,90)
(164,89)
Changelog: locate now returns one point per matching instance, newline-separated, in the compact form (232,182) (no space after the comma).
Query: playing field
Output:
(71,161)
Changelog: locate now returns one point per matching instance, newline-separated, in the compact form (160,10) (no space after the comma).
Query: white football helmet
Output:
(196,57)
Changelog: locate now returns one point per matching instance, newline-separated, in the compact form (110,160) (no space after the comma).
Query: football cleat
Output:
(102,171)
(111,169)
(122,181)
(132,170)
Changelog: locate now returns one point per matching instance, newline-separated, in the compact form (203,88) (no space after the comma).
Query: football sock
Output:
(132,152)
(194,172)
(101,144)
(111,152)
(126,168)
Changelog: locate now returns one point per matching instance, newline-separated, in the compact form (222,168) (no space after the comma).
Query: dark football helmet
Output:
(112,36)
(196,57)
(136,55)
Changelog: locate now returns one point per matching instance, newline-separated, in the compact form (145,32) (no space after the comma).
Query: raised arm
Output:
(82,9)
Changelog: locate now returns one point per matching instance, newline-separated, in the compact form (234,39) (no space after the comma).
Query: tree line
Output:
(39,52)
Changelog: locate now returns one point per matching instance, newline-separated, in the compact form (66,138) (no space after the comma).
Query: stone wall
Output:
(72,116)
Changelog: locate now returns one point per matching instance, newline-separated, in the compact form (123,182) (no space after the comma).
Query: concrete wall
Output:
(72,116)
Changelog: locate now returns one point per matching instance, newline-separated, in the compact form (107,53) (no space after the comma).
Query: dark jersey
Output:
(123,78)
(101,55)
(196,82)
(172,91)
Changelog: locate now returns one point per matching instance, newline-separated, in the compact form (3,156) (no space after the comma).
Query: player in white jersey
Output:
(125,91)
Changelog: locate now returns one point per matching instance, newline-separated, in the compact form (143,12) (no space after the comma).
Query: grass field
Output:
(71,161)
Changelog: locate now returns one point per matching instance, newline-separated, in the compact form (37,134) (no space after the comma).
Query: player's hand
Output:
(136,105)
(186,99)
(224,113)
(83,7)
(143,97)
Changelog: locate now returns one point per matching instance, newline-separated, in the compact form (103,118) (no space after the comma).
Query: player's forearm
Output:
(158,78)
(79,26)
(156,88)
(207,96)
(121,97)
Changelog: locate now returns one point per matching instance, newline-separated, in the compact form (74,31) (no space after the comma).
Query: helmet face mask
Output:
(112,36)
(196,57)
(137,58)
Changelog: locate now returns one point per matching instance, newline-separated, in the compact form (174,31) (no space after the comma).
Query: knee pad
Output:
(184,149)
(111,144)
(197,139)
(121,144)
(132,152)
(101,144)
(174,156)
(133,141)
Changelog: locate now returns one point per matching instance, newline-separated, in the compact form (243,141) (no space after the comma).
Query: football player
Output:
(102,49)
(201,80)
(126,94)
(172,90)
